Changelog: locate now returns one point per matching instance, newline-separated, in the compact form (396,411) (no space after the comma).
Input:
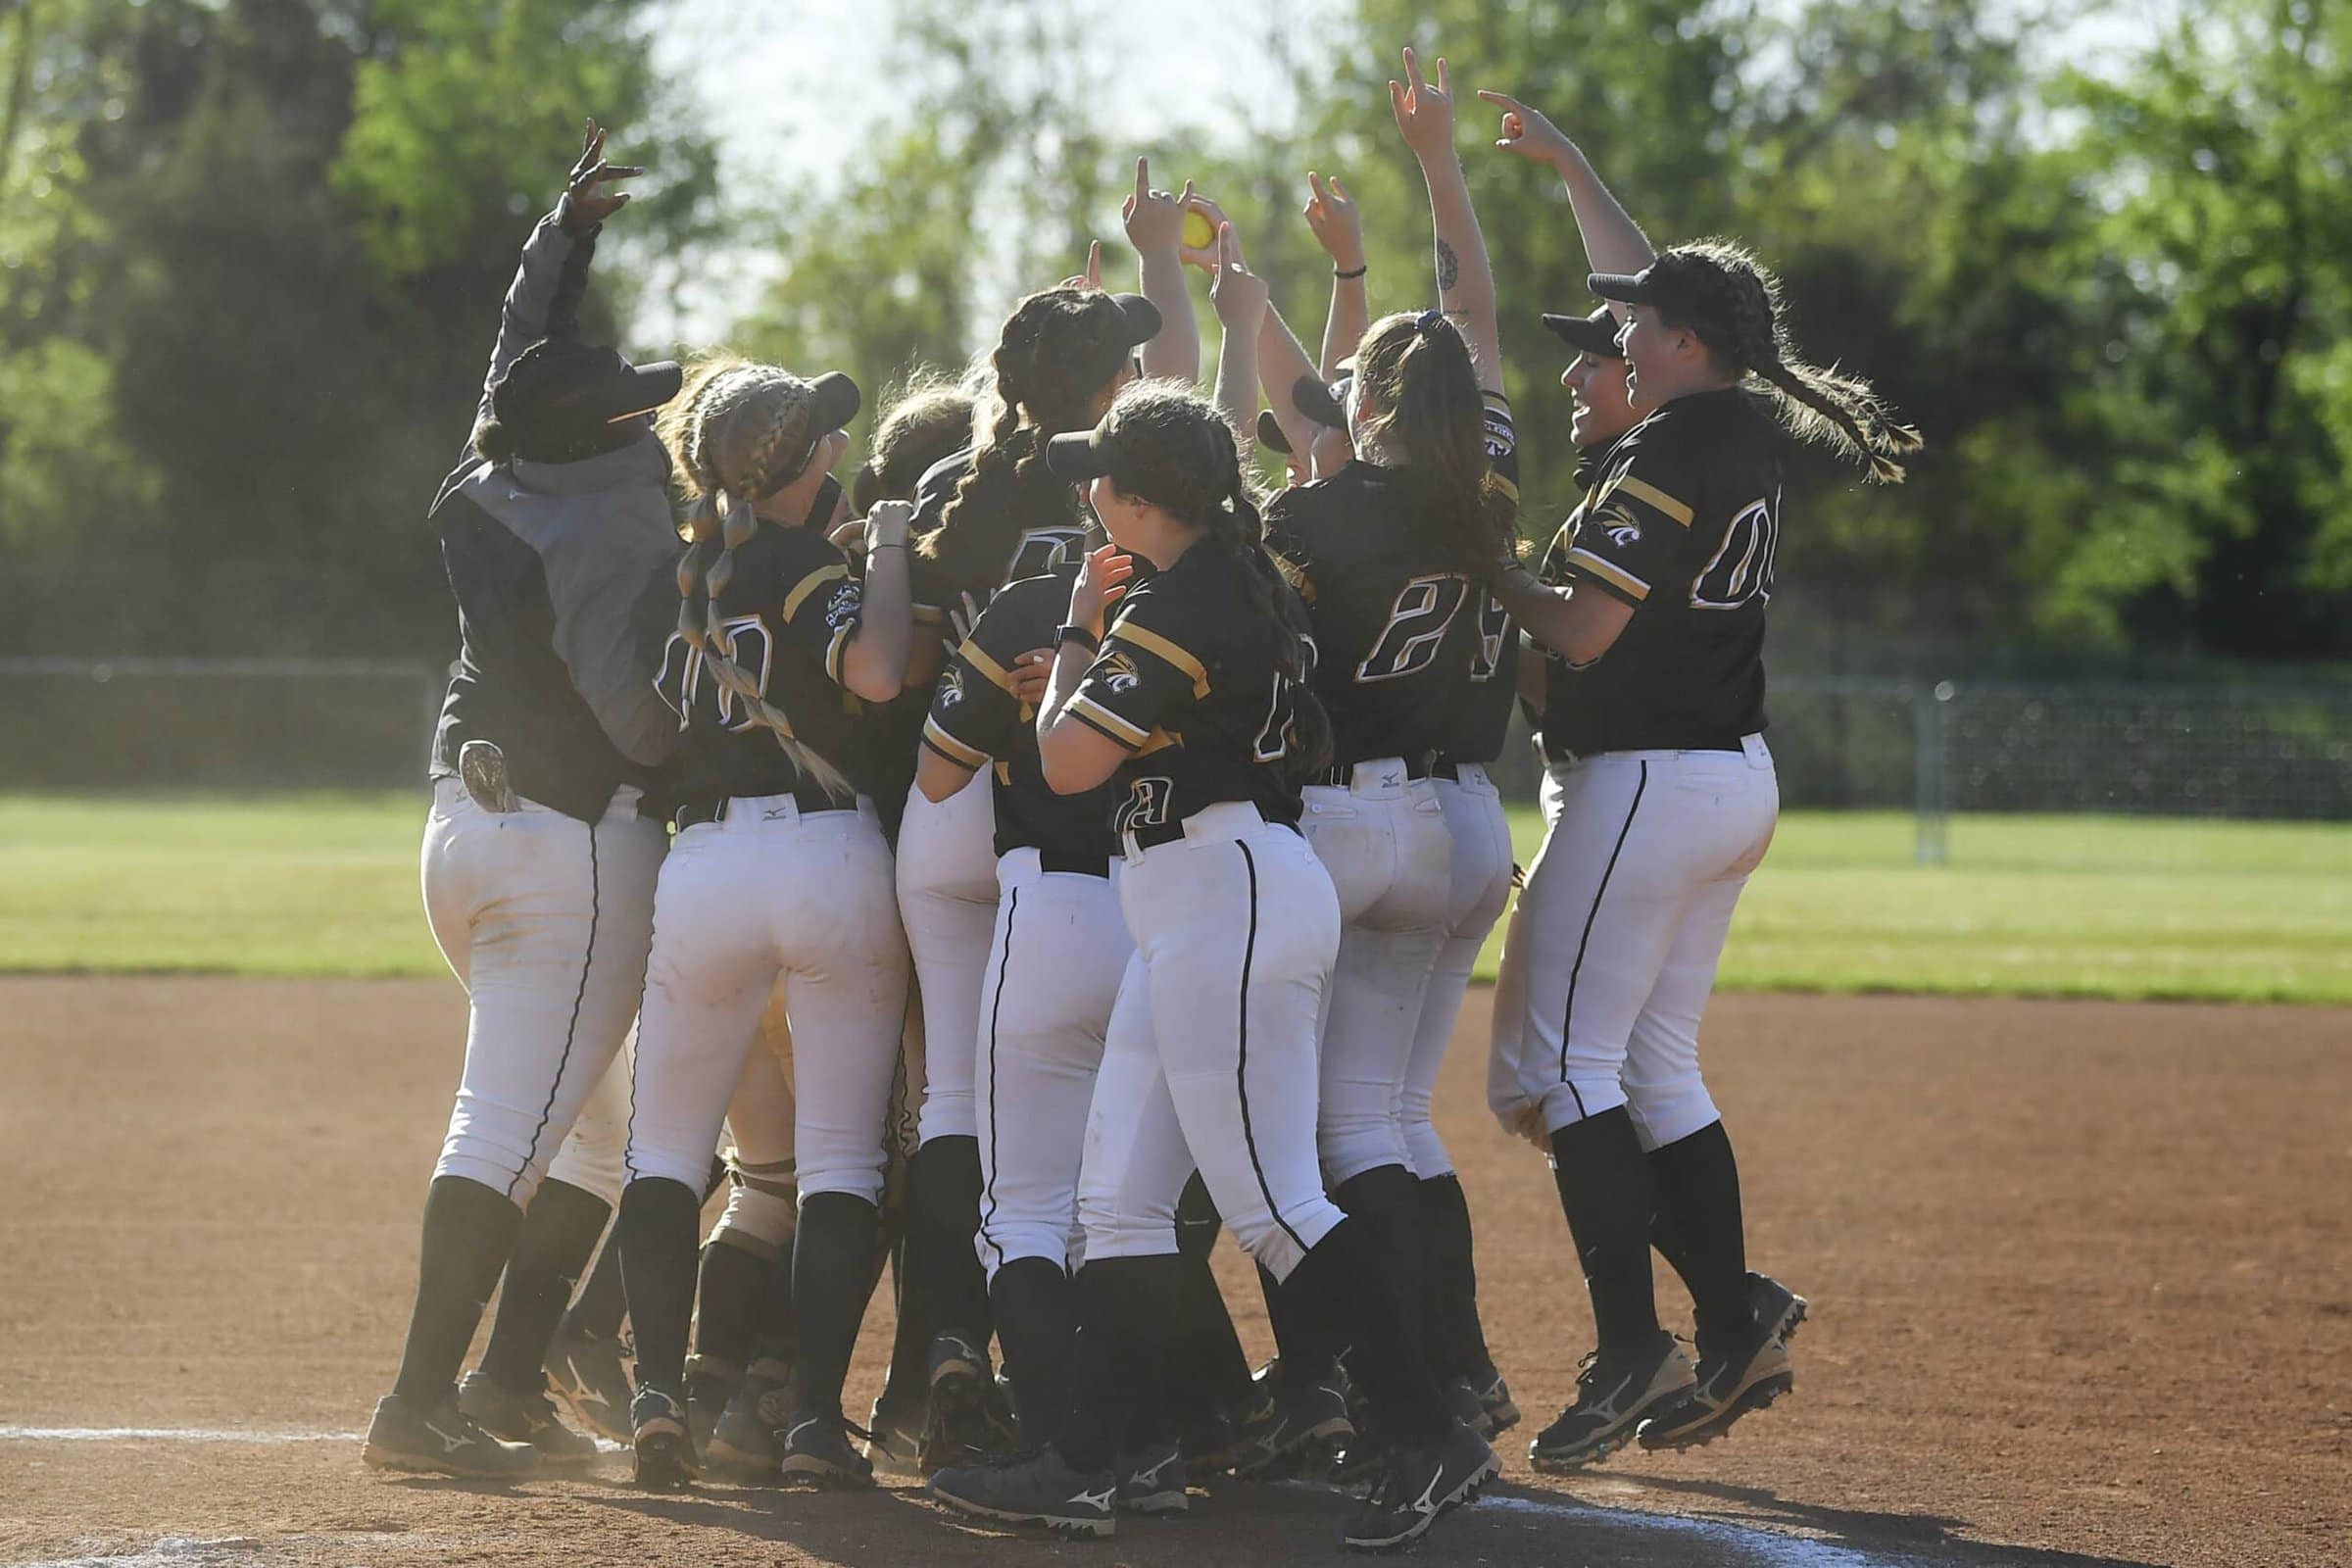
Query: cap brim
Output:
(1139,318)
(643,388)
(837,400)
(1586,335)
(1626,288)
(1077,456)
(1269,433)
(1324,403)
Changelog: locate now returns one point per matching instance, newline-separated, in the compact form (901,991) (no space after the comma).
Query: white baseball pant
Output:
(1060,951)
(1613,949)
(596,1151)
(947,886)
(1210,1060)
(1383,840)
(772,889)
(544,920)
(1480,831)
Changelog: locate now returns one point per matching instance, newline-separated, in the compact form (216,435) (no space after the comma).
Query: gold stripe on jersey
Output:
(972,653)
(1105,723)
(954,749)
(1614,576)
(1644,491)
(1160,741)
(929,616)
(811,584)
(1154,643)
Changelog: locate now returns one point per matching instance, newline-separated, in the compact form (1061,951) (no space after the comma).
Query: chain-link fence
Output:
(1839,743)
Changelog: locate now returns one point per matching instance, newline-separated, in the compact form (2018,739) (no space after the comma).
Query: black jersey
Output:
(1045,534)
(792,608)
(1485,710)
(1681,522)
(1189,682)
(975,720)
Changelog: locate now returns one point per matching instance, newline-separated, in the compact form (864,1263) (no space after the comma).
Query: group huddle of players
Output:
(1055,849)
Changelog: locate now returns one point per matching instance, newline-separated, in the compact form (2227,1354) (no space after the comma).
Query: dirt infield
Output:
(2081,1279)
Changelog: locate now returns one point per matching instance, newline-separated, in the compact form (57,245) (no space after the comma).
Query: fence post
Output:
(1931,736)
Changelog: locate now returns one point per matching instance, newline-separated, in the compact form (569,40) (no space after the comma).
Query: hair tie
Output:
(1427,322)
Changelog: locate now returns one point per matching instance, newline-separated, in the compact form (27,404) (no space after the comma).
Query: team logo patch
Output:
(1623,531)
(1118,672)
(842,608)
(951,687)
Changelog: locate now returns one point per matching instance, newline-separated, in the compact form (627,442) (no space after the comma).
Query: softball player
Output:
(1193,705)
(987,516)
(538,867)
(1666,809)
(779,867)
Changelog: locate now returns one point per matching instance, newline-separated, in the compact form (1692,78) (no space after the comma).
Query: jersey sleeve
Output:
(1287,540)
(1502,443)
(1147,671)
(821,602)
(974,709)
(1639,520)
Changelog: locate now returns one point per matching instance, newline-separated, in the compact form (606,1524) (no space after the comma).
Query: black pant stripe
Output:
(996,1007)
(564,1064)
(1241,1069)
(1568,1020)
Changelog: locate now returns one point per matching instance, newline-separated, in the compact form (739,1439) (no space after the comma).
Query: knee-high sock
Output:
(558,1235)
(832,1276)
(1387,1199)
(1455,1339)
(1604,1189)
(729,1293)
(1213,1370)
(776,1330)
(468,1233)
(1698,1190)
(1345,1279)
(660,1224)
(598,1311)
(1124,1401)
(1034,1302)
(943,1216)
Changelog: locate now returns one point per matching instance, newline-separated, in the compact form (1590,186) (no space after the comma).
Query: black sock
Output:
(1196,1220)
(727,1299)
(558,1235)
(944,1203)
(660,1221)
(776,1335)
(832,1276)
(906,1388)
(1035,1303)
(1604,1189)
(1308,1341)
(1212,1369)
(1698,1187)
(597,1311)
(1125,1402)
(1665,1239)
(1455,1339)
(1387,1199)
(1344,1277)
(468,1232)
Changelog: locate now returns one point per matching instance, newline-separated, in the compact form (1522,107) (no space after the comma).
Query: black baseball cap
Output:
(1140,319)
(561,391)
(1594,334)
(1078,456)
(1323,403)
(1672,283)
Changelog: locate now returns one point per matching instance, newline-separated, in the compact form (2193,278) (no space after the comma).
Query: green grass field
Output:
(2102,906)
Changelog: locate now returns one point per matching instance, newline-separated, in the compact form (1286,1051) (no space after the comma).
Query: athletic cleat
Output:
(1779,1309)
(895,1443)
(1419,1486)
(1357,1466)
(662,1441)
(743,1444)
(441,1441)
(709,1389)
(1467,1407)
(523,1418)
(1034,1489)
(1613,1393)
(816,1452)
(1279,1428)
(1152,1482)
(591,1376)
(1494,1396)
(1749,1377)
(962,1427)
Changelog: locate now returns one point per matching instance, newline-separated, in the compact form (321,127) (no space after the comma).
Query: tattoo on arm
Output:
(1450,266)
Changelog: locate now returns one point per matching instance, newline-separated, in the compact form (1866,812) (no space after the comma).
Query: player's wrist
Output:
(1072,635)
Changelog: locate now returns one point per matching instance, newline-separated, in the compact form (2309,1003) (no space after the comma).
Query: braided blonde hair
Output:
(741,432)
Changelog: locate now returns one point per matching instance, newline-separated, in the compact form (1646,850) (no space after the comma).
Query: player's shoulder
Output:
(1026,609)
(937,486)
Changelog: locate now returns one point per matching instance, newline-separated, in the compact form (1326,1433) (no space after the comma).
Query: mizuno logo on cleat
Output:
(1096,1500)
(1427,1503)
(448,1443)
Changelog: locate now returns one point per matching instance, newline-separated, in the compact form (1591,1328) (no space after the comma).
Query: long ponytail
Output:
(1416,374)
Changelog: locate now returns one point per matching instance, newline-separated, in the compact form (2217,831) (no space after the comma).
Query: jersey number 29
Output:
(1425,608)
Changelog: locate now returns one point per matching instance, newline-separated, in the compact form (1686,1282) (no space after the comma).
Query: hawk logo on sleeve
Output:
(951,687)
(1119,673)
(842,608)
(1623,531)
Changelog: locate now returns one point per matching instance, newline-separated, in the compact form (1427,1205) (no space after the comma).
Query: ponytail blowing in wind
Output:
(1425,414)
(740,432)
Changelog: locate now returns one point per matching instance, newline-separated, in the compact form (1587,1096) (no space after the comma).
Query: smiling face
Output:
(1115,511)
(1600,404)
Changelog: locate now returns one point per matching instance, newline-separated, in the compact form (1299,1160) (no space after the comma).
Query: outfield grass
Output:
(2106,907)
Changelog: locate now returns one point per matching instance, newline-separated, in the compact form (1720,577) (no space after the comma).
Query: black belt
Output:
(1450,768)
(1342,774)
(1077,863)
(695,813)
(1563,754)
(1148,838)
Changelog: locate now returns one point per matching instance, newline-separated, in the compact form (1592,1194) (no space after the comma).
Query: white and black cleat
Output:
(442,1440)
(523,1418)
(591,1376)
(1152,1482)
(1614,1391)
(1420,1487)
(1746,1378)
(816,1452)
(1034,1489)
(661,1438)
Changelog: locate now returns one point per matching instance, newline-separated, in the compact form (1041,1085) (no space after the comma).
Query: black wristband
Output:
(1079,635)
(1358,272)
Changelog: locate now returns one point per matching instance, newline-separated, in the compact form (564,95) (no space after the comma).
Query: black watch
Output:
(1079,635)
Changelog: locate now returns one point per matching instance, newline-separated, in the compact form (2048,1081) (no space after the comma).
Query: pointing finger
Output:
(1094,263)
(1143,179)
(1340,190)
(1444,80)
(1502,100)
(1412,67)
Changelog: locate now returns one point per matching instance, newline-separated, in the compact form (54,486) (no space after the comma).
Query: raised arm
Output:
(1280,364)
(1155,228)
(1465,278)
(874,664)
(1613,241)
(1240,297)
(544,299)
(1339,228)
